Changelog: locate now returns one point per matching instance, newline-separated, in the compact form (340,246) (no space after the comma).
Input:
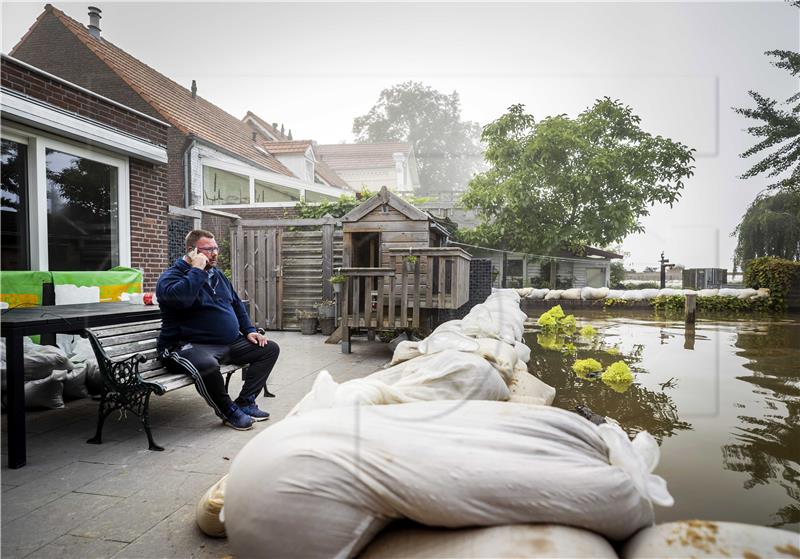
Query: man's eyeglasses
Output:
(208,249)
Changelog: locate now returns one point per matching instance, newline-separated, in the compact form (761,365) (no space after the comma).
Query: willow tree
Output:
(573,181)
(770,227)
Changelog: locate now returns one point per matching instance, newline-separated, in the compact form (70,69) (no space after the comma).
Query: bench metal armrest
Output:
(122,374)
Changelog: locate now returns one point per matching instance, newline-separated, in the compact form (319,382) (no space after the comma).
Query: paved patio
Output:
(119,499)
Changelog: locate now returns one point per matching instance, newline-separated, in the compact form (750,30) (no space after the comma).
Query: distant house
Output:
(372,166)
(84,178)
(215,160)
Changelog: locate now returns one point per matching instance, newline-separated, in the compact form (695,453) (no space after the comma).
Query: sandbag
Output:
(593,293)
(44,393)
(649,293)
(526,388)
(669,292)
(441,341)
(615,293)
(553,294)
(702,538)
(42,360)
(523,352)
(572,294)
(74,382)
(708,293)
(510,293)
(500,355)
(761,293)
(412,541)
(208,508)
(747,293)
(728,292)
(447,375)
(633,295)
(538,294)
(345,473)
(524,292)
(404,351)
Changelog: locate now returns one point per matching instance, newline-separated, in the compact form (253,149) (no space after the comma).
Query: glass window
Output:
(14,196)
(266,192)
(312,196)
(82,213)
(222,187)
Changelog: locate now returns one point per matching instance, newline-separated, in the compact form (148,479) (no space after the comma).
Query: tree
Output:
(447,149)
(779,129)
(586,180)
(770,227)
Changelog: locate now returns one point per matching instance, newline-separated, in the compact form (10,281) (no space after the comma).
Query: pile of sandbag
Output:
(596,294)
(345,473)
(55,373)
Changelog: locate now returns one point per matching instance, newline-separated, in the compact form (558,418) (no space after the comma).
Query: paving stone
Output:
(46,524)
(128,519)
(30,496)
(176,536)
(74,547)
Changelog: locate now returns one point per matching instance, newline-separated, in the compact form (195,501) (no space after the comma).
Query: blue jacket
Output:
(193,310)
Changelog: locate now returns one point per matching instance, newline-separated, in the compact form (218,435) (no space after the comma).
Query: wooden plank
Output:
(416,295)
(345,317)
(364,272)
(429,282)
(368,302)
(145,326)
(404,298)
(275,303)
(388,226)
(347,250)
(437,251)
(265,223)
(392,281)
(392,215)
(381,281)
(262,266)
(356,301)
(390,239)
(250,272)
(327,260)
(239,275)
(442,276)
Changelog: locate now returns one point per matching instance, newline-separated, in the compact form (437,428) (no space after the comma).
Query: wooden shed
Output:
(398,266)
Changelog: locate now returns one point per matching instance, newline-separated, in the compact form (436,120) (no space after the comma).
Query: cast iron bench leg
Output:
(146,423)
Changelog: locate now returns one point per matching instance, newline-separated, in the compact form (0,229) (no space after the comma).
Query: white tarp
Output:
(344,473)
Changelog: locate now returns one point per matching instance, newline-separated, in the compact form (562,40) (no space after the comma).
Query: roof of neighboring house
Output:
(270,129)
(295,146)
(191,115)
(361,156)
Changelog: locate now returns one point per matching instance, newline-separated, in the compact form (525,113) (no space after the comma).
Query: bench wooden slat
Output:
(129,337)
(173,381)
(106,332)
(133,347)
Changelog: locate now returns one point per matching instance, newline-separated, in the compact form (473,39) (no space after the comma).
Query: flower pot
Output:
(410,266)
(308,326)
(326,311)
(337,287)
(327,325)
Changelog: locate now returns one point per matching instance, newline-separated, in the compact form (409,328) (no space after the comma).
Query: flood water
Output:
(722,399)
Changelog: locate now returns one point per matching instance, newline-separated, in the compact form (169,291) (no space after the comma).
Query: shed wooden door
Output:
(256,261)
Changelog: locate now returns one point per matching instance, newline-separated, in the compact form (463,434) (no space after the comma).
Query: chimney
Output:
(255,137)
(194,89)
(290,133)
(94,21)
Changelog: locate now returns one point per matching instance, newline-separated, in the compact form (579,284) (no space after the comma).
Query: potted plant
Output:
(308,322)
(336,281)
(410,262)
(326,311)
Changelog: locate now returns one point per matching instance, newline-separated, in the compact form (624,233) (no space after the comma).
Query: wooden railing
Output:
(393,297)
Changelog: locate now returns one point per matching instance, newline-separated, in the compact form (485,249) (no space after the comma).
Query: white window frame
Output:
(38,142)
(264,176)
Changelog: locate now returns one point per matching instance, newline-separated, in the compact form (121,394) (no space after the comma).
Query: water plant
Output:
(583,367)
(588,331)
(617,372)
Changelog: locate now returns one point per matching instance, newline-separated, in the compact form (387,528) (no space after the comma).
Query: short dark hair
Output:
(195,235)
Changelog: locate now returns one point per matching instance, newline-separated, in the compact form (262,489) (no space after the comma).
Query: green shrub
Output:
(775,274)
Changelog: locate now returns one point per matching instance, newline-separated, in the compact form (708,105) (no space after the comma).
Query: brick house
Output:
(84,178)
(219,167)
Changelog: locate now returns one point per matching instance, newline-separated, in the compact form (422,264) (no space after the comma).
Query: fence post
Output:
(327,256)
(690,308)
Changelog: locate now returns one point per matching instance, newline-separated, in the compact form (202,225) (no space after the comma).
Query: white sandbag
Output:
(41,360)
(594,293)
(728,292)
(669,292)
(708,293)
(525,386)
(523,352)
(206,512)
(703,538)
(450,326)
(447,375)
(538,294)
(74,382)
(761,293)
(633,295)
(649,293)
(553,294)
(404,351)
(345,475)
(615,293)
(413,541)
(68,294)
(479,323)
(500,355)
(524,292)
(572,294)
(688,291)
(747,293)
(510,293)
(441,341)
(44,393)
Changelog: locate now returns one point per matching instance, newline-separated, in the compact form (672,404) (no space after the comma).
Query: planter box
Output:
(308,326)
(327,326)
(326,311)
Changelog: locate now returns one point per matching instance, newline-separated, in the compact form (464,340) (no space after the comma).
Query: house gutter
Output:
(191,141)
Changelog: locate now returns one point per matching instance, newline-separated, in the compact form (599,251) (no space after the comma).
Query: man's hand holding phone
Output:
(197,259)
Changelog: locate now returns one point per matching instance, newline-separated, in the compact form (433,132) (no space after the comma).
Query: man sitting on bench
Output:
(203,324)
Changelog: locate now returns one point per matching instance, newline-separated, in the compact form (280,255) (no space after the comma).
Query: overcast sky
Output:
(316,66)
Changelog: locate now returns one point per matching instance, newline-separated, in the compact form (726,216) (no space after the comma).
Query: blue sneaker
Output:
(237,419)
(251,408)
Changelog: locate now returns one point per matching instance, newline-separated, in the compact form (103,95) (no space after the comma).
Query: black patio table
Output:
(18,322)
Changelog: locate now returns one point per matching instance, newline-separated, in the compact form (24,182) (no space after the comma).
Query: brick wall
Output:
(176,145)
(16,77)
(148,220)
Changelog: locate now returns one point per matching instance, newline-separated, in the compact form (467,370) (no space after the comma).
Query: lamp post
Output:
(664,265)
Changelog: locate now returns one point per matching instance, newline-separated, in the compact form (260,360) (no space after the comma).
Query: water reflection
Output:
(636,407)
(768,447)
